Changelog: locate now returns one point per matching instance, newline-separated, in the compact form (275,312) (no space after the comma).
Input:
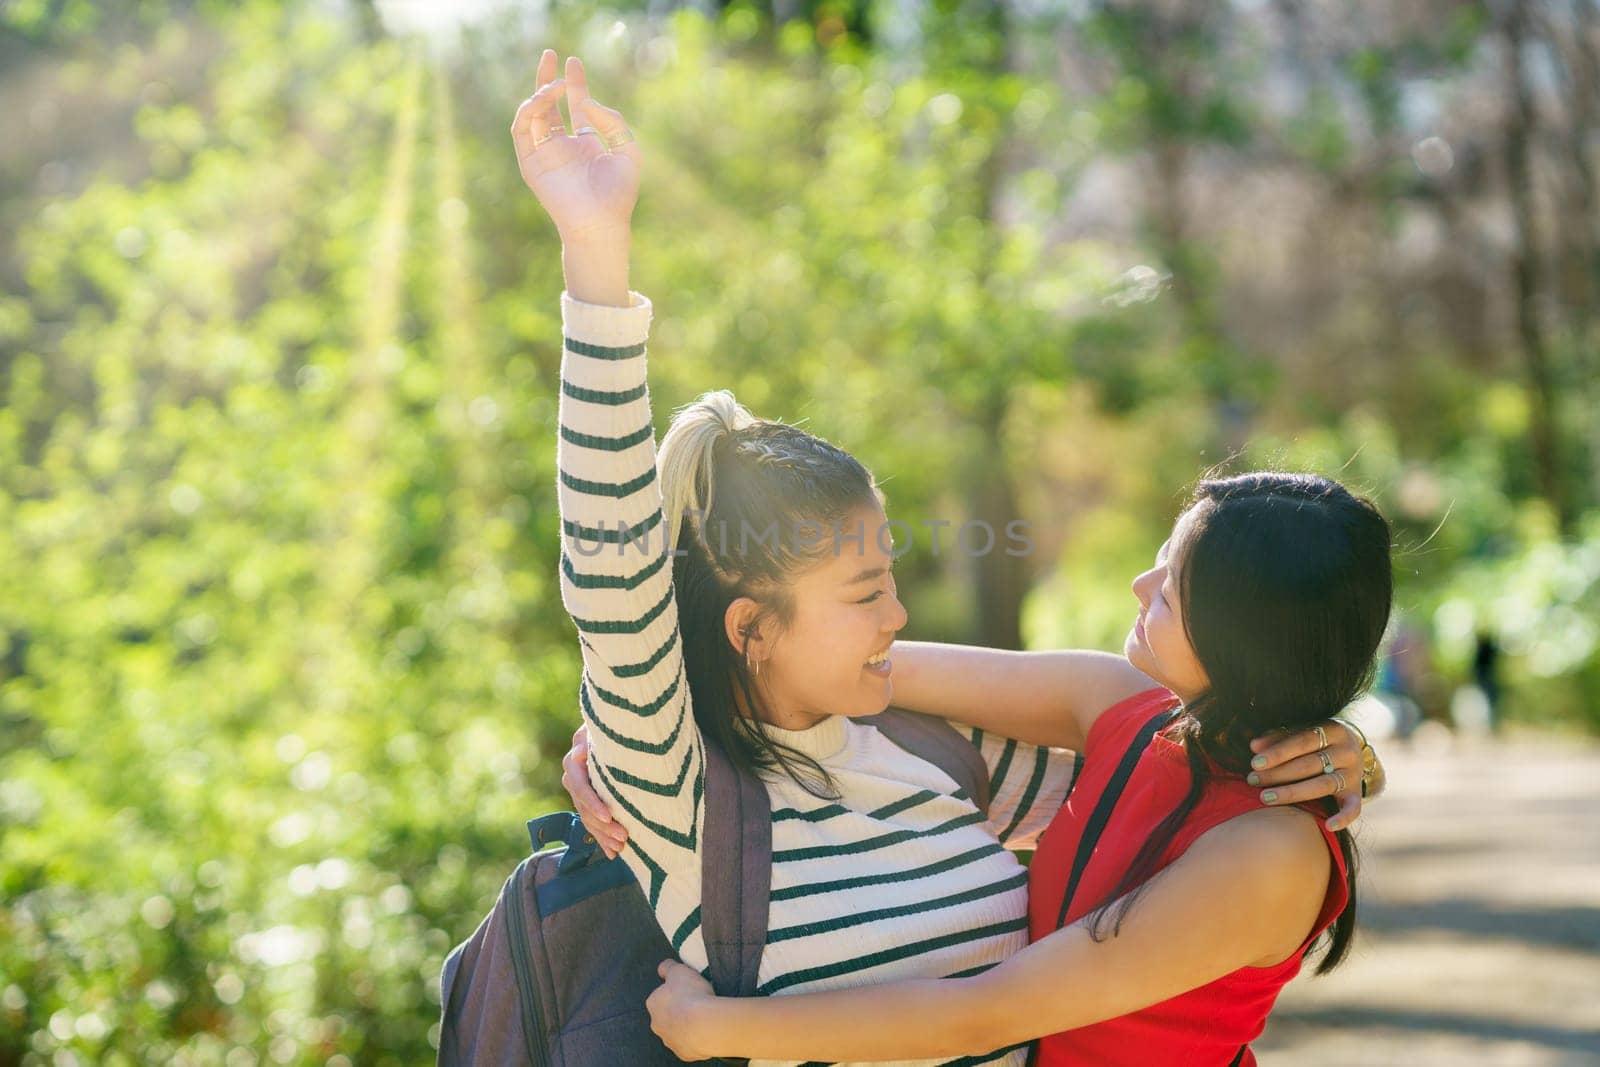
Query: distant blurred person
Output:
(1486,675)
(1403,678)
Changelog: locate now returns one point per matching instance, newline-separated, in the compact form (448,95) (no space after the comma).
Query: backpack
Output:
(557,974)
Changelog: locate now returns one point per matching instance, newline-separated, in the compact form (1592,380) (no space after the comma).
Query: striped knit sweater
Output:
(902,876)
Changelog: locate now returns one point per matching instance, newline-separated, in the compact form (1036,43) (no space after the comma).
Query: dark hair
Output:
(738,478)
(1286,583)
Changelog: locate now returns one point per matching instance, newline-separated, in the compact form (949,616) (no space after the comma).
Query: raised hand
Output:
(588,180)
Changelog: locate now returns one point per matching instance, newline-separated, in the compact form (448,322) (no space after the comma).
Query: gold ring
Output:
(619,139)
(1322,735)
(1338,780)
(555,131)
(1327,762)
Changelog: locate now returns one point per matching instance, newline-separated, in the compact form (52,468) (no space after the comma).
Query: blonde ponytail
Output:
(683,463)
(769,478)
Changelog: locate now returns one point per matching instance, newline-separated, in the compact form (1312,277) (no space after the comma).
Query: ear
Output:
(742,623)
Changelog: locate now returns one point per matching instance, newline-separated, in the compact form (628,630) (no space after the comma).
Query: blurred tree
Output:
(1521,124)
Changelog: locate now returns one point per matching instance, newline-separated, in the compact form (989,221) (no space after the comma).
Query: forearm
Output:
(596,268)
(998,691)
(1194,922)
(616,580)
(1033,994)
(1045,698)
(920,1019)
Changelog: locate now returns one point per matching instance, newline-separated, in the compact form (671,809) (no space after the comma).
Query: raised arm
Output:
(1053,698)
(615,575)
(1047,698)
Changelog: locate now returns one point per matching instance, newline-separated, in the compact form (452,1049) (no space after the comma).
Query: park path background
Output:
(1480,940)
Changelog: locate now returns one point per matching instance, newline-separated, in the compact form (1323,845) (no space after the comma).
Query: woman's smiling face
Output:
(846,612)
(1158,644)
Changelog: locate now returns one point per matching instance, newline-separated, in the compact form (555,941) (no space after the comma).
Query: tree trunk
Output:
(1583,239)
(1521,122)
(1001,579)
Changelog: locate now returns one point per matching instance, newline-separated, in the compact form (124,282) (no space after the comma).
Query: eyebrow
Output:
(867,575)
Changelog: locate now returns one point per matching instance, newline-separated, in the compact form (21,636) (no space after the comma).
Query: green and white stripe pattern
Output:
(901,876)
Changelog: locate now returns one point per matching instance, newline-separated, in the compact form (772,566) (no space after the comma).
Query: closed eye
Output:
(870,599)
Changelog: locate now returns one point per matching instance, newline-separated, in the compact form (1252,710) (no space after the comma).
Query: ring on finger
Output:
(617,140)
(555,131)
(1327,761)
(1338,783)
(1322,735)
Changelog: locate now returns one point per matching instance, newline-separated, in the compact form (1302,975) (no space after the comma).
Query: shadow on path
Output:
(1287,1020)
(1574,927)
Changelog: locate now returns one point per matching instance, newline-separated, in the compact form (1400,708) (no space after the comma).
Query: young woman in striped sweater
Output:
(882,868)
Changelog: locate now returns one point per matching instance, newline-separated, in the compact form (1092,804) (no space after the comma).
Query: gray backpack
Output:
(557,974)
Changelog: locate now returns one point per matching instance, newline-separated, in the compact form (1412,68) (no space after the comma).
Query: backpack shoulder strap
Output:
(735,873)
(736,851)
(941,745)
(1103,807)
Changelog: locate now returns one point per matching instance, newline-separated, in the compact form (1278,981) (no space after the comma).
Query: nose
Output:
(1144,585)
(898,616)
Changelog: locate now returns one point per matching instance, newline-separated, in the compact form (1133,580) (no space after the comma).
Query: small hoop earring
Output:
(753,668)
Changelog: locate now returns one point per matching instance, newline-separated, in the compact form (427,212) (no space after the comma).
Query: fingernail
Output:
(1253,778)
(1268,797)
(1333,824)
(1259,763)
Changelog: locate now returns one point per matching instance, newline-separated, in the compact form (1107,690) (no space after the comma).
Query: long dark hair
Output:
(736,493)
(1286,583)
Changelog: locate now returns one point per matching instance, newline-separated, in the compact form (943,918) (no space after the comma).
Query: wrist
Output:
(596,274)
(711,1016)
(597,240)
(1360,734)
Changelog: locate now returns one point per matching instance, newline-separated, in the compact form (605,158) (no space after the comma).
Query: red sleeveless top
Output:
(1205,1026)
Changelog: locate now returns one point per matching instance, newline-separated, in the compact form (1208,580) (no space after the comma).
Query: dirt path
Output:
(1481,919)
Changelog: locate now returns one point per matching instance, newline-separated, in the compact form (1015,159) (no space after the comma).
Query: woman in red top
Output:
(1263,611)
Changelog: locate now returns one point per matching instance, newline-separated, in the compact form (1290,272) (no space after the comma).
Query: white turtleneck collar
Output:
(823,741)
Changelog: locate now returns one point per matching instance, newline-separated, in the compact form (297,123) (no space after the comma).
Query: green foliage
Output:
(277,689)
(283,667)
